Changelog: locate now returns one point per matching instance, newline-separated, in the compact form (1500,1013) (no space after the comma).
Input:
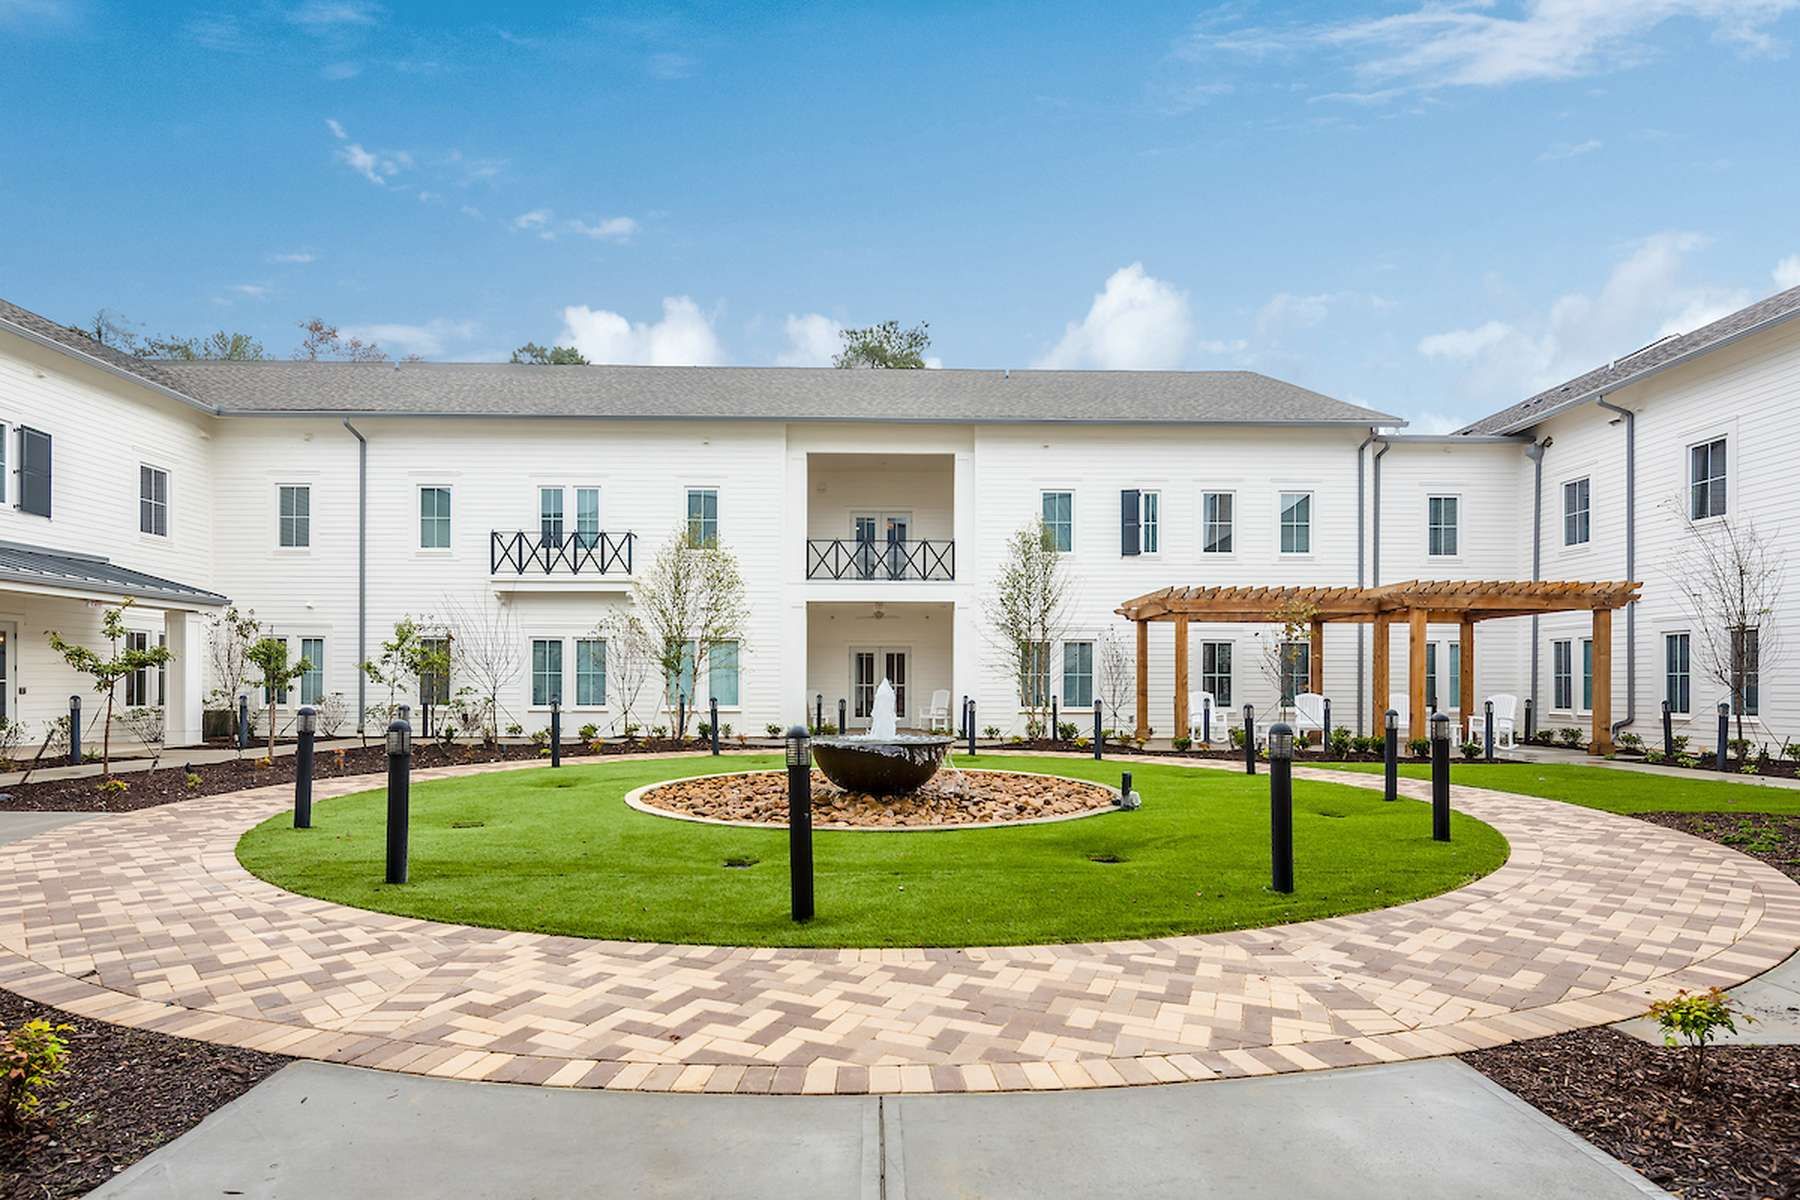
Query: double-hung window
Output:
(1215,522)
(590,672)
(1562,675)
(722,674)
(1587,674)
(1296,522)
(1215,672)
(312,680)
(1441,531)
(153,501)
(1150,521)
(703,515)
(1078,675)
(434,682)
(1677,672)
(1576,525)
(1431,678)
(1746,677)
(546,672)
(1059,520)
(434,518)
(550,516)
(587,517)
(1706,480)
(140,690)
(295,516)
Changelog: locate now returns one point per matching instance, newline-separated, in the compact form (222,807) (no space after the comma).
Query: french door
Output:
(868,667)
(881,543)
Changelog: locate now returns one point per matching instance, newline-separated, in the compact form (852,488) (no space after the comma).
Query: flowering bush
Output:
(31,1057)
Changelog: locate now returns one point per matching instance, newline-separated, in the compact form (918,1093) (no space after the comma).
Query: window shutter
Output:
(34,472)
(1128,521)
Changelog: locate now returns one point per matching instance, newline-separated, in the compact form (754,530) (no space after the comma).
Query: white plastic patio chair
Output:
(938,711)
(1506,709)
(1309,713)
(1198,704)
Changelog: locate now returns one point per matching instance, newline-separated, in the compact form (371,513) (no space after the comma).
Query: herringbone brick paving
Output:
(146,919)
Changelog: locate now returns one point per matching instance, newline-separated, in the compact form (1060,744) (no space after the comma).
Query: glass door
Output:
(895,662)
(898,525)
(863,527)
(6,672)
(862,686)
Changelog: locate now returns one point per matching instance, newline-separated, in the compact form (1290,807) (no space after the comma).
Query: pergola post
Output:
(1602,743)
(1316,657)
(1465,697)
(1143,679)
(1380,671)
(1181,678)
(1415,673)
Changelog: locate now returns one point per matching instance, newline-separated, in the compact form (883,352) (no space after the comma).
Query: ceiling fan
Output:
(878,613)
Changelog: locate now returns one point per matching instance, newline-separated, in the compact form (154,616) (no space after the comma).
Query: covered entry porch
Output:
(1416,604)
(852,646)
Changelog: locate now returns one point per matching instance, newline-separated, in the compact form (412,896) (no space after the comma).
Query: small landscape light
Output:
(1440,727)
(1281,741)
(306,720)
(399,738)
(1393,719)
(799,747)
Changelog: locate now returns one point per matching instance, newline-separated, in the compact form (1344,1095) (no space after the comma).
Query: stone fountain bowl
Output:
(880,766)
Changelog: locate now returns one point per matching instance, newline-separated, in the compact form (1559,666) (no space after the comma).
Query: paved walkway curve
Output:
(146,919)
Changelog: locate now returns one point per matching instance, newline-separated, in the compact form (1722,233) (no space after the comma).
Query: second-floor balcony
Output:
(850,558)
(540,552)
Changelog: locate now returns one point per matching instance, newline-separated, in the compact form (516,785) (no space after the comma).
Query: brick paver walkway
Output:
(146,919)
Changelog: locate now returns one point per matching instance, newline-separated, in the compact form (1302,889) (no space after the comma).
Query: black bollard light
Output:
(712,712)
(1206,721)
(1440,777)
(1281,808)
(843,716)
(1325,733)
(1724,731)
(1099,732)
(306,725)
(819,713)
(963,729)
(1250,739)
(74,731)
(1125,789)
(1053,718)
(1668,734)
(1487,739)
(800,856)
(556,733)
(399,786)
(680,715)
(1390,754)
(243,730)
(971,729)
(1530,719)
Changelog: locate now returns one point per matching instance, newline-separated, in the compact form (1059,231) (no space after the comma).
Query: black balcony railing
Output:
(533,552)
(845,558)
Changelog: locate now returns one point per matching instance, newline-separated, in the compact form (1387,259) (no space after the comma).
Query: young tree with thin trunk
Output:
(1729,575)
(1118,677)
(229,636)
(1280,647)
(487,656)
(107,671)
(630,655)
(690,600)
(1028,612)
(270,656)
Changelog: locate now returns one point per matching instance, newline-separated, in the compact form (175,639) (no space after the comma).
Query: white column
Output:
(186,637)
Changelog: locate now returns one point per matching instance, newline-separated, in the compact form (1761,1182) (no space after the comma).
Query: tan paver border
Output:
(146,919)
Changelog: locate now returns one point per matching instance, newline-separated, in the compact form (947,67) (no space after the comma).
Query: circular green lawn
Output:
(559,852)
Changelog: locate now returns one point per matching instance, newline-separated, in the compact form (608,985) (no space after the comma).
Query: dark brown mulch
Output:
(950,798)
(125,1092)
(146,789)
(1735,1137)
(1772,837)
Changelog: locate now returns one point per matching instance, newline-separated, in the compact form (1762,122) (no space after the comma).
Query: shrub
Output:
(1471,750)
(1680,741)
(1792,750)
(113,786)
(631,730)
(588,732)
(1369,745)
(1182,743)
(1066,730)
(1653,756)
(1739,747)
(1237,738)
(515,730)
(1569,736)
(1749,769)
(1419,747)
(1631,742)
(1686,760)
(829,729)
(990,731)
(659,731)
(1034,729)
(704,730)
(1340,742)
(31,1057)
(192,780)
(772,729)
(1696,1019)
(1082,743)
(540,737)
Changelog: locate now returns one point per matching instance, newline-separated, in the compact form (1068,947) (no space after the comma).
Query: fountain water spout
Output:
(882,722)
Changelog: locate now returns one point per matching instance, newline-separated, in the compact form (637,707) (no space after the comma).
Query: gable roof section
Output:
(1655,357)
(769,393)
(46,332)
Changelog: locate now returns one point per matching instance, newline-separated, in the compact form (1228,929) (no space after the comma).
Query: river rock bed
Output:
(951,798)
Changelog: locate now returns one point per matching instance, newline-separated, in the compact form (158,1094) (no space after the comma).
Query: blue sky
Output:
(1432,209)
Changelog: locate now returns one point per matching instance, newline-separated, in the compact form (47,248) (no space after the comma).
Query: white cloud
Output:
(1562,150)
(250,291)
(321,15)
(1433,423)
(1646,296)
(1135,321)
(376,167)
(813,341)
(1787,272)
(427,341)
(293,257)
(610,229)
(535,221)
(337,130)
(469,210)
(684,336)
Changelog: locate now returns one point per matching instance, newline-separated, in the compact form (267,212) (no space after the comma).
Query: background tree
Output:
(488,659)
(108,670)
(229,636)
(1279,646)
(1729,576)
(532,354)
(1028,611)
(111,329)
(690,600)
(884,345)
(630,655)
(218,346)
(323,343)
(270,656)
(416,652)
(1118,676)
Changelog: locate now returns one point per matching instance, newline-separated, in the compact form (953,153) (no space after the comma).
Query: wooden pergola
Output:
(1416,603)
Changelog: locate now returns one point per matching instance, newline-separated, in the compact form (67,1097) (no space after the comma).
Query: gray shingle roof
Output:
(778,393)
(41,328)
(1654,357)
(93,575)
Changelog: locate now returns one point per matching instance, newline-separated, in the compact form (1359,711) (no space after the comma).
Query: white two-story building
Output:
(868,510)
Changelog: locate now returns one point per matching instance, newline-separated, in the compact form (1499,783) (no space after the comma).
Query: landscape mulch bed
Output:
(146,789)
(952,798)
(125,1093)
(1736,1136)
(1773,838)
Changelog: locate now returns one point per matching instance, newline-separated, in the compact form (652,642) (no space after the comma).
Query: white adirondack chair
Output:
(1309,713)
(1506,709)
(1198,704)
(938,711)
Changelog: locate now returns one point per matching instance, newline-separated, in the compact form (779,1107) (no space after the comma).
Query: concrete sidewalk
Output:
(1433,1128)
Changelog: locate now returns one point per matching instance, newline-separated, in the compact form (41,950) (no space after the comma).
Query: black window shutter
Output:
(34,472)
(1128,521)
